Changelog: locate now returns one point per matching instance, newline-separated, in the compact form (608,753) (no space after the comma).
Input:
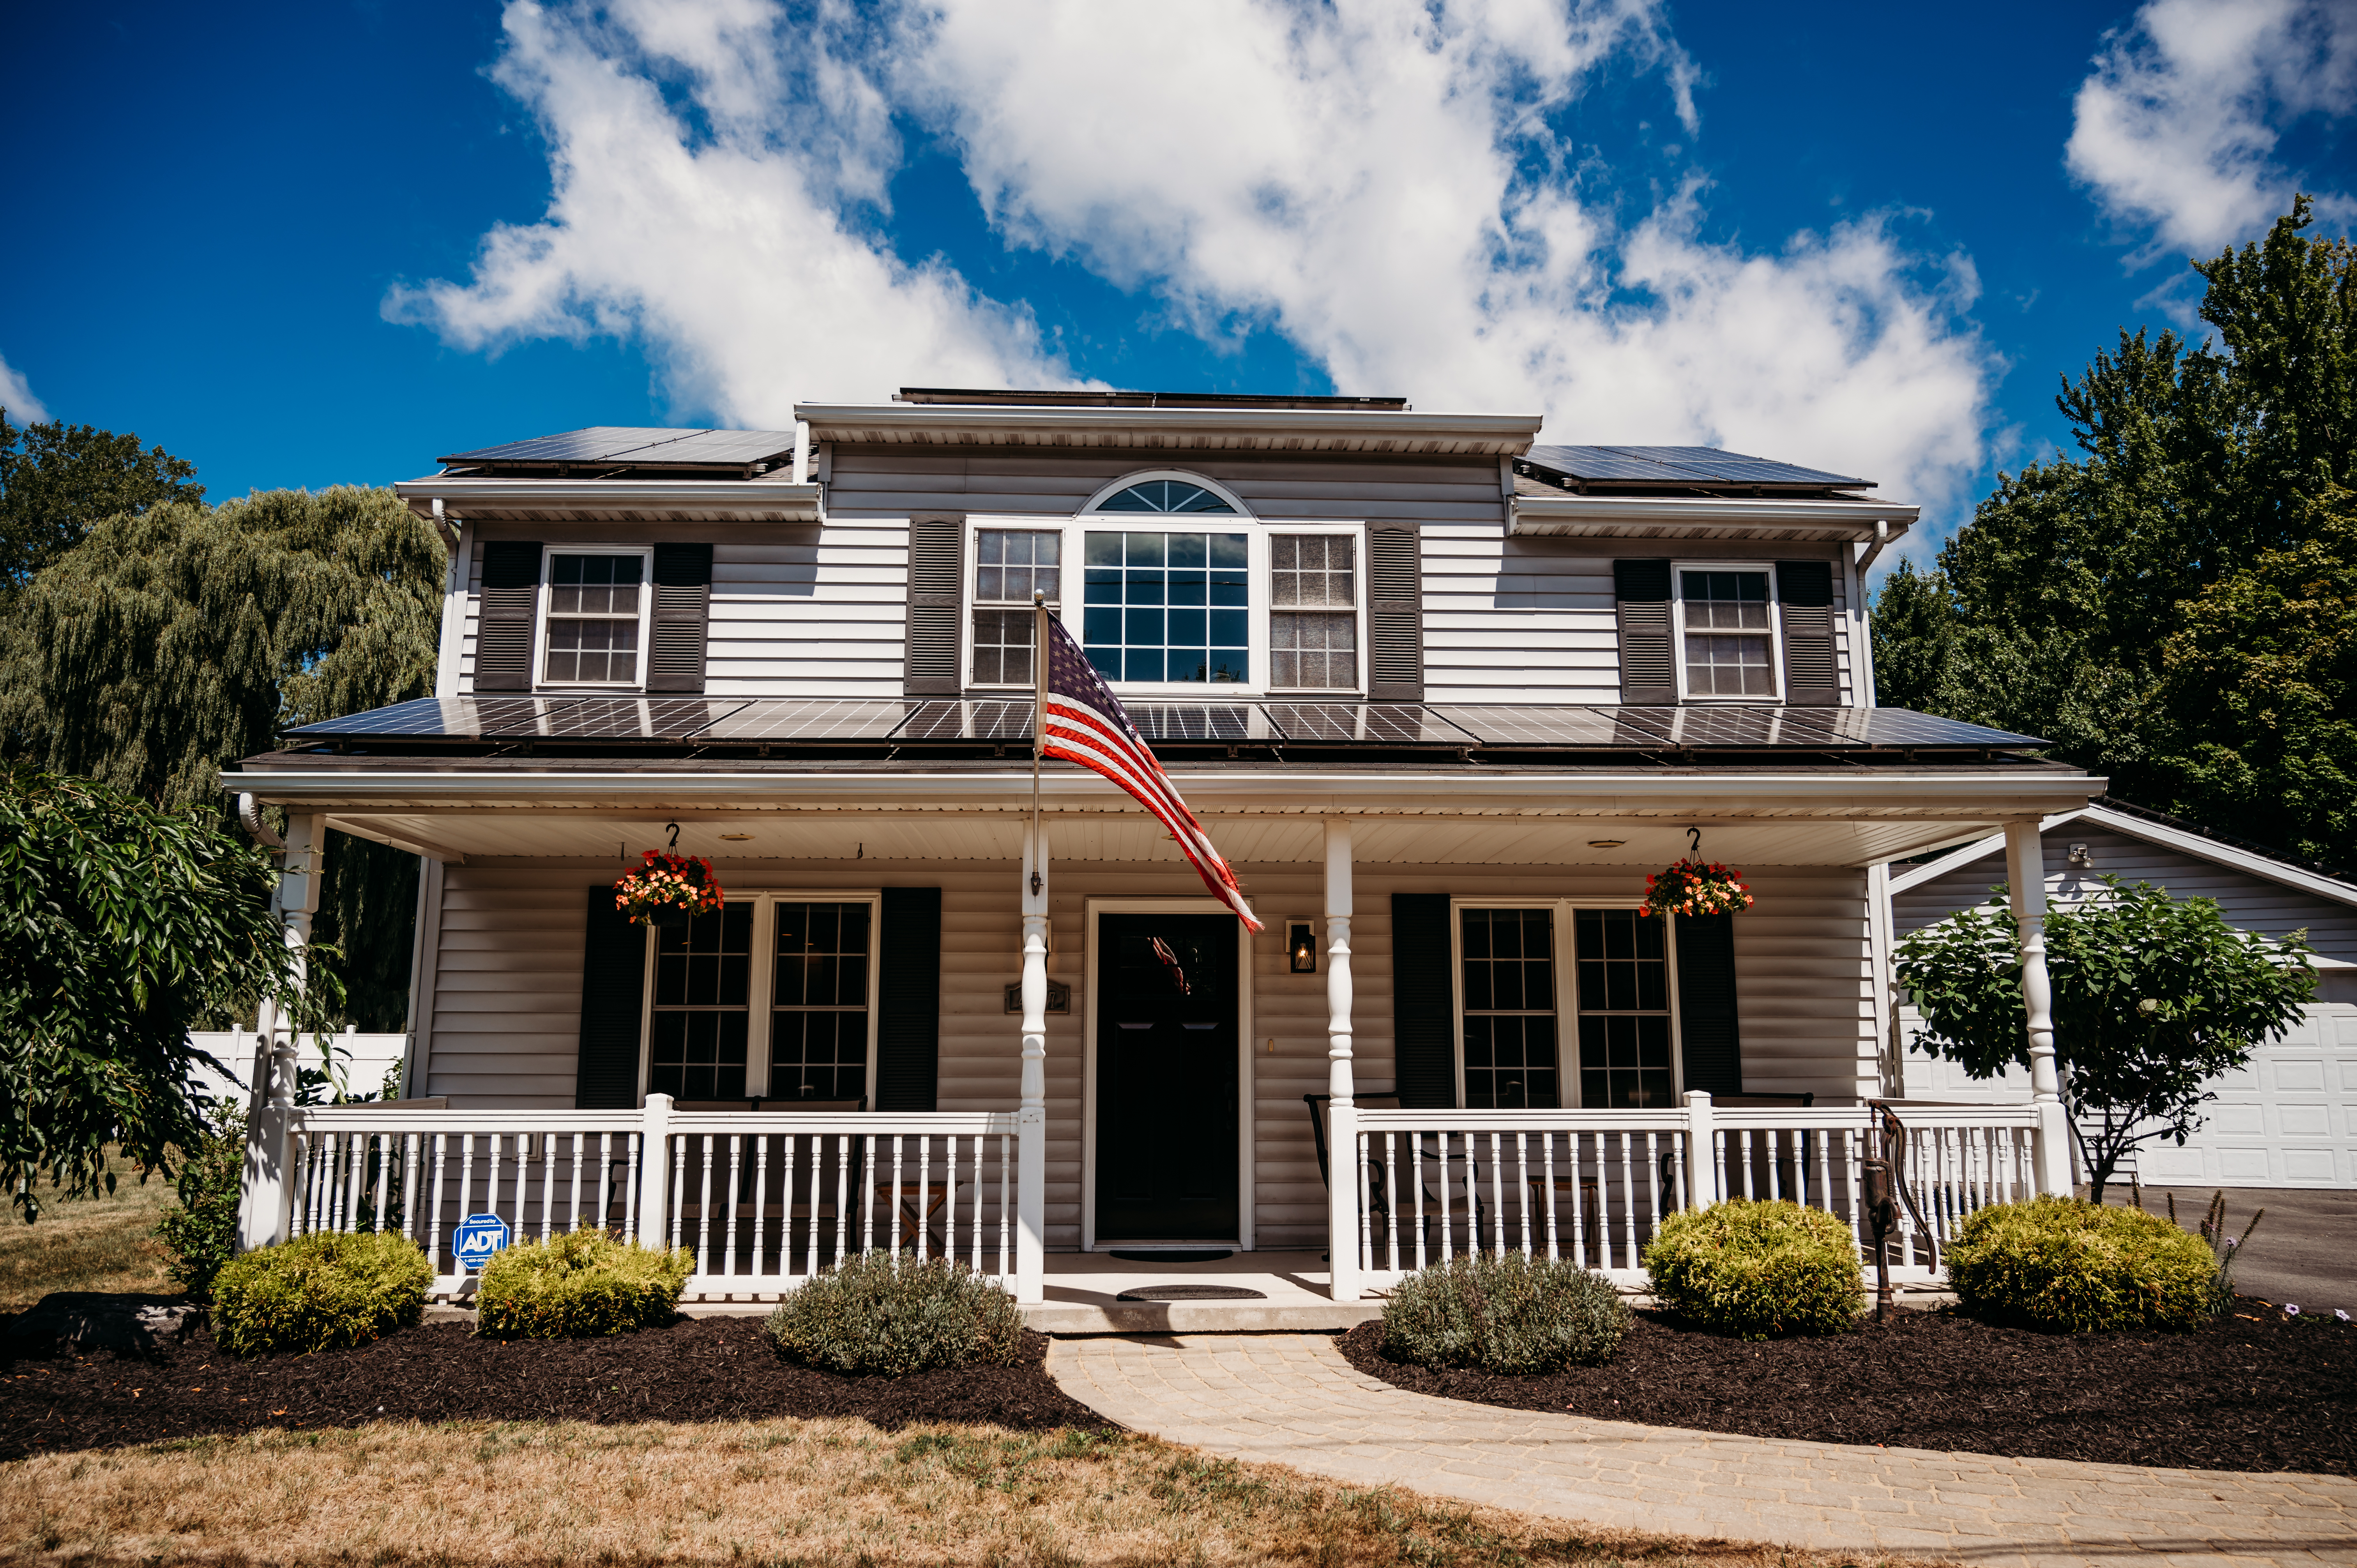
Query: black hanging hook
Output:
(1694,843)
(674,834)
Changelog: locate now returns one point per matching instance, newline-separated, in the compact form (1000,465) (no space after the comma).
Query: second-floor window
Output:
(1010,565)
(1313,622)
(1168,607)
(595,618)
(1728,636)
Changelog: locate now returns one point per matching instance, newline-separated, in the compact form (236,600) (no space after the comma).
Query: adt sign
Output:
(477,1238)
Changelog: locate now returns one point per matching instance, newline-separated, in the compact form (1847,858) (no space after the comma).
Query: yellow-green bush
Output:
(1508,1315)
(884,1313)
(2062,1263)
(326,1291)
(577,1286)
(1756,1270)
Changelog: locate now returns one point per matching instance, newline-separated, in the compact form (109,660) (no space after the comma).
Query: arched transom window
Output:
(1165,495)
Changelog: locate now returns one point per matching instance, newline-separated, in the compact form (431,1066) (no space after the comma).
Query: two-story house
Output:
(1442,697)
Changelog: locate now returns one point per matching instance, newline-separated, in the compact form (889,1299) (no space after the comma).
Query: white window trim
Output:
(1072,591)
(1566,989)
(1775,630)
(760,992)
(547,592)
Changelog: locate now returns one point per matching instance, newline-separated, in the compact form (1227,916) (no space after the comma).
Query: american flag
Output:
(1084,721)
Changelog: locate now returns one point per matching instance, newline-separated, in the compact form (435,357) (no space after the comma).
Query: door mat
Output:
(1200,1255)
(1190,1293)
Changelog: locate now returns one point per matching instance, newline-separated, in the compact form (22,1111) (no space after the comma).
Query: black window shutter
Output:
(1647,679)
(909,1020)
(936,583)
(1423,1006)
(510,598)
(1395,616)
(613,1004)
(683,612)
(1709,1045)
(1804,590)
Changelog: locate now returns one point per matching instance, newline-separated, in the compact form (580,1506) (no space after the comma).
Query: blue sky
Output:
(327,243)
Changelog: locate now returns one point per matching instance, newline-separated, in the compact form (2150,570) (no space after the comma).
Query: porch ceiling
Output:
(1122,833)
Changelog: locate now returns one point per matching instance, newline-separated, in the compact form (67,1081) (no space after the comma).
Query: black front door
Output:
(1166,1079)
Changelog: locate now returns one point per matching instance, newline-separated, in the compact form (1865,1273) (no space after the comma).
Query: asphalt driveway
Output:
(2304,1252)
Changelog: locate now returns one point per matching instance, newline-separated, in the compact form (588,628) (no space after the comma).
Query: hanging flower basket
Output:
(1696,887)
(668,889)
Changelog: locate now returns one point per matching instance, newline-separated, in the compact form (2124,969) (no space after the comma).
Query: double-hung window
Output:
(1010,565)
(1726,632)
(1313,630)
(1512,994)
(594,629)
(772,996)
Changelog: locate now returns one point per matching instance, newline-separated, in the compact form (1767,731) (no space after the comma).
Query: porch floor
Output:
(1082,1288)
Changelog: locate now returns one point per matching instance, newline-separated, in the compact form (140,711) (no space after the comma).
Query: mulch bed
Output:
(2249,1393)
(712,1368)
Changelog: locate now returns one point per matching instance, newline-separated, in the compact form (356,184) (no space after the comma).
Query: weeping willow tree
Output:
(167,643)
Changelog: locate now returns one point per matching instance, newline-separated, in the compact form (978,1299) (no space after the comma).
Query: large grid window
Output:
(1624,1010)
(1314,615)
(702,985)
(818,1027)
(1010,564)
(1510,1012)
(1168,607)
(593,620)
(1730,647)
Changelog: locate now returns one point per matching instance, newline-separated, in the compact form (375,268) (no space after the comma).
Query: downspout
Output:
(1881,538)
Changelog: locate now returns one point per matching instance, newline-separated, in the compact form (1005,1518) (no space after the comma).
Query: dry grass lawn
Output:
(803,1492)
(104,1244)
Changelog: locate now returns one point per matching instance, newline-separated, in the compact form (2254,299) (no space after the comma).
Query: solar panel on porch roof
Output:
(1689,465)
(463,718)
(954,719)
(1373,724)
(1199,721)
(807,719)
(621,718)
(1603,727)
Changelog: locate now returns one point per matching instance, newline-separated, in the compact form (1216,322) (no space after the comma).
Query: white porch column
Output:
(1031,1120)
(266,1200)
(1343,1194)
(2025,869)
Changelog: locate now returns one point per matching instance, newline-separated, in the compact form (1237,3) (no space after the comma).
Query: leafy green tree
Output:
(203,1232)
(170,641)
(2153,998)
(2055,610)
(123,925)
(58,480)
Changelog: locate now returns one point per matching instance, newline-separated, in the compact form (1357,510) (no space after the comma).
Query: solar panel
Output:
(1898,727)
(1200,721)
(1714,726)
(807,719)
(596,444)
(620,718)
(1374,723)
(1704,465)
(463,718)
(718,447)
(953,719)
(1595,726)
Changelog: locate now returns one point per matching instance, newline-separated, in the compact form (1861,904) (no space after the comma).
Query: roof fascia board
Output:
(2150,833)
(779,500)
(1593,515)
(1502,434)
(1957,859)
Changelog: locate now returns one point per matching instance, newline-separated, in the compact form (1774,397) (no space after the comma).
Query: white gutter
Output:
(1669,515)
(464,496)
(1318,429)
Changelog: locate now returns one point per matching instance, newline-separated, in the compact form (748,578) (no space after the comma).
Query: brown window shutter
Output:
(1647,678)
(1395,616)
(936,584)
(1805,594)
(510,603)
(683,614)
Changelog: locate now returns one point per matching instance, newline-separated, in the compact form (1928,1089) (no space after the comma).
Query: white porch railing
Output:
(1592,1185)
(764,1200)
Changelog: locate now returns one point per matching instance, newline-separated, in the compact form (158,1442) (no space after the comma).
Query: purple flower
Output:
(2231,1243)
(2291,1309)
(2341,1315)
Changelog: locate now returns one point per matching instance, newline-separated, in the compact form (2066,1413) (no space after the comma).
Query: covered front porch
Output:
(1011,1152)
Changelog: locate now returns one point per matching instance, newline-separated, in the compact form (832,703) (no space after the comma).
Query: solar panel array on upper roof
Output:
(1683,465)
(637,445)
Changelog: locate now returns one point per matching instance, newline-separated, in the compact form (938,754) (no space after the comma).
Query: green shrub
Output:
(326,1291)
(573,1287)
(889,1314)
(1756,1270)
(2062,1263)
(1510,1314)
(203,1232)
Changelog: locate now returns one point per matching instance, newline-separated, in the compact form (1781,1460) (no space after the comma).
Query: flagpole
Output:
(1031,1118)
(1038,696)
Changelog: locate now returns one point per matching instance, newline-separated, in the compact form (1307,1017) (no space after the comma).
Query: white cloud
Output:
(1379,181)
(16,397)
(2176,130)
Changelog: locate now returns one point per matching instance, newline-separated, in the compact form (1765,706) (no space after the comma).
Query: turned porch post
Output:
(2025,866)
(266,1201)
(1342,1131)
(1031,1129)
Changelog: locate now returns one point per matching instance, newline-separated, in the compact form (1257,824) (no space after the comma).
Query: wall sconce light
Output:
(1301,943)
(2081,857)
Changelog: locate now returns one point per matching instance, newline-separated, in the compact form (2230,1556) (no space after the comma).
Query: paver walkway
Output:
(1292,1398)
